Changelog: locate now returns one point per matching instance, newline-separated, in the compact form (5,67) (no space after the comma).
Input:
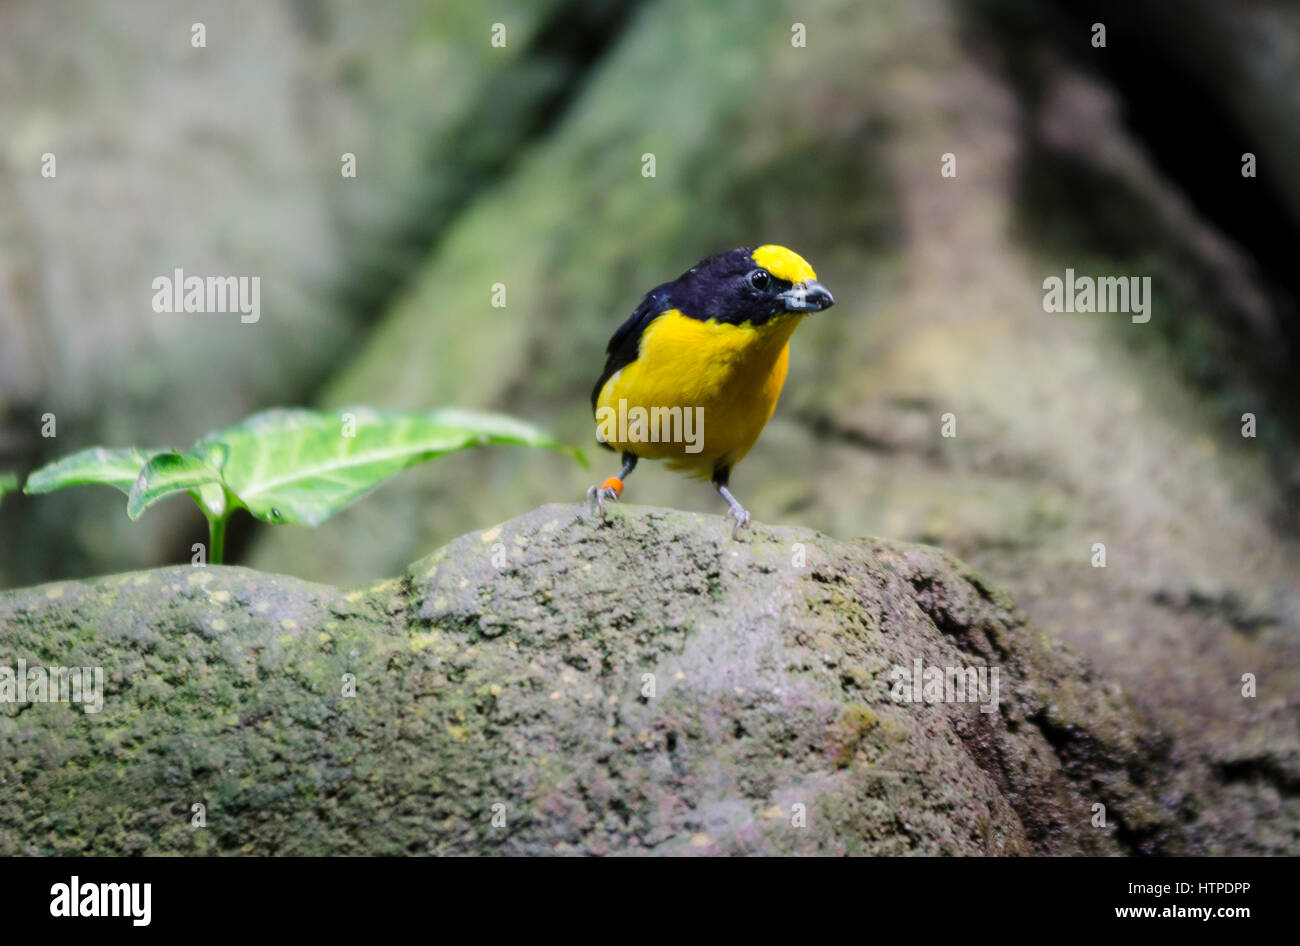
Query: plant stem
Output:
(217,538)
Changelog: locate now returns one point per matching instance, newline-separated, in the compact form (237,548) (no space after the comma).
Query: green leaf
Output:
(502,429)
(302,467)
(98,465)
(211,499)
(168,473)
(8,483)
(287,465)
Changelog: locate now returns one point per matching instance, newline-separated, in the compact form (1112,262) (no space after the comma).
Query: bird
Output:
(694,374)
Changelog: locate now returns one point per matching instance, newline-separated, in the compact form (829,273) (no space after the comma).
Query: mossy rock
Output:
(647,685)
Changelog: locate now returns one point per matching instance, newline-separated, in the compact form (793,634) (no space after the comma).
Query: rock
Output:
(651,685)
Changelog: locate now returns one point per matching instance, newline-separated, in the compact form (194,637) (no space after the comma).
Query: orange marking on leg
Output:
(615,484)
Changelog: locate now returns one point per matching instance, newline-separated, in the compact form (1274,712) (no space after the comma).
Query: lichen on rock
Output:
(553,685)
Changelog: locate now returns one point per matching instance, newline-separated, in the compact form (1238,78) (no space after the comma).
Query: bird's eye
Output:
(759,279)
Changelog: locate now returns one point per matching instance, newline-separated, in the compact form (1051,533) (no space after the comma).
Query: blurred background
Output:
(522,165)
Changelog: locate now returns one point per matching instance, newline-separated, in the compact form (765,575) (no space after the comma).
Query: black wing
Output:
(623,347)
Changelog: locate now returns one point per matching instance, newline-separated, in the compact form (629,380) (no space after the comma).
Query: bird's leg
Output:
(721,476)
(612,488)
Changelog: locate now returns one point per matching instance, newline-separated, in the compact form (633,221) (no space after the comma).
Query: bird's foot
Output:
(611,489)
(741,515)
(738,512)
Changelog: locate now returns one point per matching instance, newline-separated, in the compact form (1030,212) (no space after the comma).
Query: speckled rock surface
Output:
(651,685)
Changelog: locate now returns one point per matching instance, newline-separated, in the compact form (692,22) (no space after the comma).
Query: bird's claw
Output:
(596,496)
(741,515)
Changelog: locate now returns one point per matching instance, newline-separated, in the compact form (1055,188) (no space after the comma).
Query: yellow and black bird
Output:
(707,352)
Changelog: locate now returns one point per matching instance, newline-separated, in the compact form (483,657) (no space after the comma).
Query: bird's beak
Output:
(808,296)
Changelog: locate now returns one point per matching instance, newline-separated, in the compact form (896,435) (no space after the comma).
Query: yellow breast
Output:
(728,376)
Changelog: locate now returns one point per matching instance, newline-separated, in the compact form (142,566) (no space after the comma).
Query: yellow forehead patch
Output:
(783,264)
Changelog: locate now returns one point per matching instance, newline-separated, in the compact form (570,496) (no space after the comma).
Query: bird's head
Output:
(754,285)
